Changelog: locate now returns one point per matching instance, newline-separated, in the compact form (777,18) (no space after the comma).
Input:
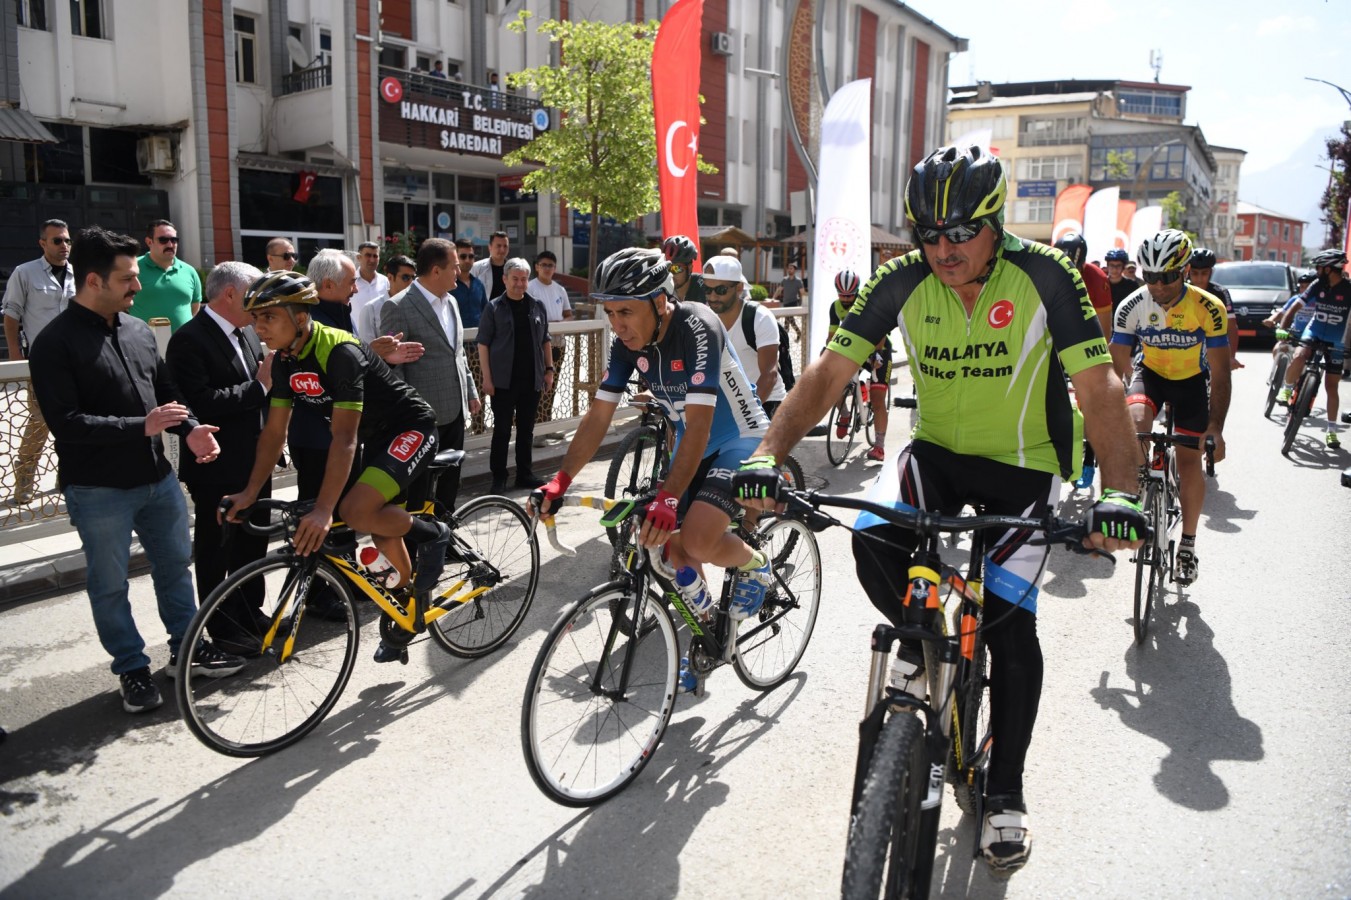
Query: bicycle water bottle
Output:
(693,591)
(863,391)
(378,567)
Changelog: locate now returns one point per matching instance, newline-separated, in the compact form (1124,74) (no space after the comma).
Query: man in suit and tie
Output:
(426,313)
(221,370)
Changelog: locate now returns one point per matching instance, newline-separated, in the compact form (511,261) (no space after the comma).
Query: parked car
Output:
(1257,287)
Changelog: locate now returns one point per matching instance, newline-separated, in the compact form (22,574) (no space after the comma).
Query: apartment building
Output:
(1264,234)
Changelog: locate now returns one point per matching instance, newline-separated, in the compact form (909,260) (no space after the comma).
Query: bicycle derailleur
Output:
(702,662)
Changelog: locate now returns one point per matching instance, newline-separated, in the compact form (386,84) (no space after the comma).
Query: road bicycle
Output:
(852,414)
(1301,400)
(909,746)
(297,665)
(1284,352)
(604,685)
(643,459)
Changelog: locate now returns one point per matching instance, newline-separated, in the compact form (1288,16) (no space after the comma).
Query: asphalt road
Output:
(1209,763)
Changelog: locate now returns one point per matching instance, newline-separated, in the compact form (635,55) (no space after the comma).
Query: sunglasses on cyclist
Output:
(722,290)
(956,234)
(1161,277)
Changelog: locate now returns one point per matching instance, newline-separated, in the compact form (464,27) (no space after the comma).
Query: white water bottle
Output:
(693,591)
(378,567)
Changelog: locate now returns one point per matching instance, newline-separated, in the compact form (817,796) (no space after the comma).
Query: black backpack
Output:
(785,354)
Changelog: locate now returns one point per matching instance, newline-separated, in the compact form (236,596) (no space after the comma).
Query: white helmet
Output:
(1167,251)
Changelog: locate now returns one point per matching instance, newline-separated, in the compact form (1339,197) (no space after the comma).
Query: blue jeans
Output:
(105,518)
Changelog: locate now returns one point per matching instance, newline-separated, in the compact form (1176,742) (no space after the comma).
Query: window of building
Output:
(407,184)
(112,157)
(1151,103)
(1286,231)
(1000,127)
(266,204)
(1035,131)
(1297,230)
(1050,168)
(87,20)
(33,14)
(325,47)
(1039,209)
(748,142)
(732,132)
(477,190)
(393,55)
(246,49)
(424,63)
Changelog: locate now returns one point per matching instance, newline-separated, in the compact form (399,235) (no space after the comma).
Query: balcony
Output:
(310,79)
(461,92)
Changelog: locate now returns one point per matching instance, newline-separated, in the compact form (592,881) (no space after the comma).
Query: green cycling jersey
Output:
(990,384)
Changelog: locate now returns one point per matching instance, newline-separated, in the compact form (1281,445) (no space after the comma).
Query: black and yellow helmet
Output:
(280,289)
(955,186)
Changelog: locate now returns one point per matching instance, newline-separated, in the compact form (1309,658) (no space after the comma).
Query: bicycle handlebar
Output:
(290,509)
(590,502)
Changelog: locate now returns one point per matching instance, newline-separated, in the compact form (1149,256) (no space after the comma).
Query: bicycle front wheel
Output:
(972,736)
(635,470)
(881,855)
(1149,559)
(1299,410)
(770,643)
(493,549)
(1277,382)
(791,470)
(286,688)
(842,429)
(599,696)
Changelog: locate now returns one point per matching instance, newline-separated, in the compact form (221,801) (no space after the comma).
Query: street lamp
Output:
(1144,167)
(1346,95)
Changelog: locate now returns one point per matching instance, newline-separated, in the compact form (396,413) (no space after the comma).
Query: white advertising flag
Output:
(844,208)
(1146,222)
(1100,221)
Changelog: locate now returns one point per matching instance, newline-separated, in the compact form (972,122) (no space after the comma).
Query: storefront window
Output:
(267,202)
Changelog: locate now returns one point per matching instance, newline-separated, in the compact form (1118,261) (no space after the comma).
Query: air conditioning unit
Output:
(722,43)
(155,155)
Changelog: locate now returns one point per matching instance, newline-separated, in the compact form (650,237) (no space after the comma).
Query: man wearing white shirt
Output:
(428,314)
(727,294)
(371,285)
(556,305)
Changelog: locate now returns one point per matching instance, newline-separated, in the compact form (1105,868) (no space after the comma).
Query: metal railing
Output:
(499,99)
(310,79)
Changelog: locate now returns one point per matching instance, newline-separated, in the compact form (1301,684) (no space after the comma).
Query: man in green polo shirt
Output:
(169,287)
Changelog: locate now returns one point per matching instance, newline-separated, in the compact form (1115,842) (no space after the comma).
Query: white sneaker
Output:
(907,674)
(1005,839)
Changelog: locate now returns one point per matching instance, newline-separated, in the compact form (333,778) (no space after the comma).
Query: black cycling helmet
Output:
(846,283)
(1306,278)
(1116,254)
(680,250)
(1330,258)
(280,289)
(634,274)
(956,186)
(1073,245)
(1203,258)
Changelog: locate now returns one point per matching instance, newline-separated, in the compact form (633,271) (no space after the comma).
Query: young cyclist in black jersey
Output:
(334,373)
(992,325)
(878,365)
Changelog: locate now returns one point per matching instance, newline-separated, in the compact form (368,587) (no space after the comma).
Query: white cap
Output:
(724,268)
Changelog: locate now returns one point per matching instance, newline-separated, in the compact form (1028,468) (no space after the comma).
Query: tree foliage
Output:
(601,157)
(1174,213)
(1338,192)
(1120,164)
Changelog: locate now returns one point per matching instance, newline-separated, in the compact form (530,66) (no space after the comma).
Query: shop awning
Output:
(20,125)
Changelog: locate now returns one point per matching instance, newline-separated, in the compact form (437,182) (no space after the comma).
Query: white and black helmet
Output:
(1168,251)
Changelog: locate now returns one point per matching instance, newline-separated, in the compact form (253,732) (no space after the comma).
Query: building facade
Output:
(335,121)
(1224,222)
(1263,234)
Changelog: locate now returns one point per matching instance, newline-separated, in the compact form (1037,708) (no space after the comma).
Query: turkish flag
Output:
(302,194)
(676,59)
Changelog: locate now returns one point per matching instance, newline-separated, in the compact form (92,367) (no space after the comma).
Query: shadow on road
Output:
(140,851)
(1183,698)
(632,845)
(1221,510)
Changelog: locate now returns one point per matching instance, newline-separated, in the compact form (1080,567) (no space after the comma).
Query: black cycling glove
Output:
(758,479)
(1117,515)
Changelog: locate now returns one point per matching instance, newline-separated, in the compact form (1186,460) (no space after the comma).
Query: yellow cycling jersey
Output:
(1175,340)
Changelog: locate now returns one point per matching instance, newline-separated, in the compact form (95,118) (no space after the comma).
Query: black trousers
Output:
(212,562)
(310,467)
(521,405)
(451,437)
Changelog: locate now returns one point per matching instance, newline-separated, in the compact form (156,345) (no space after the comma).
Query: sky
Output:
(1245,61)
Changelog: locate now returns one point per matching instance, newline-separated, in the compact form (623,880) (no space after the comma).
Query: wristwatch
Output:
(549,368)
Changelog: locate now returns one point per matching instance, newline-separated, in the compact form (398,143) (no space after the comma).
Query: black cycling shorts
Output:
(395,460)
(712,482)
(1189,398)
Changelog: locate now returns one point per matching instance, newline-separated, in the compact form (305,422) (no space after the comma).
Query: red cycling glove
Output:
(551,493)
(661,512)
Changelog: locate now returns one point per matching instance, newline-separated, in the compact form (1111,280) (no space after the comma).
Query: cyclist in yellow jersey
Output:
(1183,332)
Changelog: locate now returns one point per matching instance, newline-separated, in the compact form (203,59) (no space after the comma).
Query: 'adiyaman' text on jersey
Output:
(693,363)
(993,384)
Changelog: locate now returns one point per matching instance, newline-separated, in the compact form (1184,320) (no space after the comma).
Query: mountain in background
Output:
(1294,187)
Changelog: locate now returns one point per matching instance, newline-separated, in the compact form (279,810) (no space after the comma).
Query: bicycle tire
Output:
(869,417)
(635,469)
(1299,410)
(972,706)
(498,530)
(882,848)
(1149,557)
(770,644)
(792,472)
(1277,381)
(582,745)
(837,446)
(235,715)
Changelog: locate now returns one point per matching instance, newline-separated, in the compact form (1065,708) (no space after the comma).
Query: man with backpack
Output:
(751,329)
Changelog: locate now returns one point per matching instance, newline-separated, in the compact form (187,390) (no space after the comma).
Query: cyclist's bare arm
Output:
(270,442)
(690,453)
(1219,397)
(340,455)
(768,357)
(1108,426)
(589,436)
(1121,362)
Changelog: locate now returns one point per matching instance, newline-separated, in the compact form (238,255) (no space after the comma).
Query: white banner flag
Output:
(844,208)
(1100,221)
(1144,224)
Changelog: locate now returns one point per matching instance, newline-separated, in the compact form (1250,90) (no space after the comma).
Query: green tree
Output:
(1338,192)
(1120,164)
(1174,212)
(600,158)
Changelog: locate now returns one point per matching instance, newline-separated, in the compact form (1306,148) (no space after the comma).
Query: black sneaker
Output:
(499,486)
(431,559)
(207,662)
(324,605)
(139,692)
(529,482)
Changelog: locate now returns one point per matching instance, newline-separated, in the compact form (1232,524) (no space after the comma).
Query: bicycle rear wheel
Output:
(770,643)
(273,701)
(837,445)
(1149,559)
(1299,410)
(584,740)
(1277,381)
(497,532)
(791,470)
(635,469)
(972,736)
(880,857)
(869,417)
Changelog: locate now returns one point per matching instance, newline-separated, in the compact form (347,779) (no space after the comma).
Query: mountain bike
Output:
(297,665)
(1301,401)
(643,459)
(604,685)
(1285,350)
(909,746)
(852,414)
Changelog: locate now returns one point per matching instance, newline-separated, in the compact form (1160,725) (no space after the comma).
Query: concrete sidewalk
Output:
(54,563)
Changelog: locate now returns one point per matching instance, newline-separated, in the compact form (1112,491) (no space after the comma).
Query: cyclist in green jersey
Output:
(992,325)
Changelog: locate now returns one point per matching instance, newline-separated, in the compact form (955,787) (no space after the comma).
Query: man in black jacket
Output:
(219,366)
(108,397)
